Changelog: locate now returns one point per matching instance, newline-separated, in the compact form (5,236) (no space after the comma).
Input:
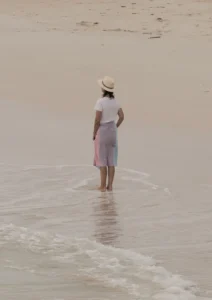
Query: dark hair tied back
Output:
(108,94)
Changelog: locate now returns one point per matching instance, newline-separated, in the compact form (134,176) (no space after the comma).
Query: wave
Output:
(138,275)
(32,187)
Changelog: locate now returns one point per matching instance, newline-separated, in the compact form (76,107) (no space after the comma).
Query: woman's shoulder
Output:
(107,100)
(100,100)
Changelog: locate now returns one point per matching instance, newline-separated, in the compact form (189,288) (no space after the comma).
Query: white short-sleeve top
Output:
(109,108)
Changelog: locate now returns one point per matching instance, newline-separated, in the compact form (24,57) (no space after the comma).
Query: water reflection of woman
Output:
(107,229)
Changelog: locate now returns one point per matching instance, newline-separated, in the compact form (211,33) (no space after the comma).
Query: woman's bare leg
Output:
(103,176)
(111,174)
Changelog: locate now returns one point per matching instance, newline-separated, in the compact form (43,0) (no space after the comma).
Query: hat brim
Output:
(104,87)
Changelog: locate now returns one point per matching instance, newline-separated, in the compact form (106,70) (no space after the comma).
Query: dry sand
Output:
(158,51)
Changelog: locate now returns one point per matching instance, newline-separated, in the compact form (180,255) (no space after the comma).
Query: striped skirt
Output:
(106,146)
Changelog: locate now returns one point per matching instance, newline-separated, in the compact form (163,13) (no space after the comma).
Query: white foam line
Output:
(37,167)
(135,172)
(154,186)
(140,173)
(116,267)
(167,191)
(83,182)
(31,167)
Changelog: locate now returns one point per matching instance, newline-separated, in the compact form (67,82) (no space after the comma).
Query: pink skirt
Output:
(106,146)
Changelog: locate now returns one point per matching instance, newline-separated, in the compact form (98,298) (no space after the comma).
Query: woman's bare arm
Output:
(97,123)
(121,117)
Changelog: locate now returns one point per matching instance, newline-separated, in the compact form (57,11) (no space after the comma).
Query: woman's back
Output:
(109,108)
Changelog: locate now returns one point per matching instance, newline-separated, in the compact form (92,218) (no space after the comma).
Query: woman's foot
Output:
(109,188)
(102,189)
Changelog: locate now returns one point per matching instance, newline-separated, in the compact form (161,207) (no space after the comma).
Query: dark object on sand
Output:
(155,37)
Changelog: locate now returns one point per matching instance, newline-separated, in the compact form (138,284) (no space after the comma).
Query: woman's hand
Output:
(121,117)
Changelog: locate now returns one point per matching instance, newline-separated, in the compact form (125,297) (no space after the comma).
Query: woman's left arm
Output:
(97,123)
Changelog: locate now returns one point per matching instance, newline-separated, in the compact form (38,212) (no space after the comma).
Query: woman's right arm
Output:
(121,117)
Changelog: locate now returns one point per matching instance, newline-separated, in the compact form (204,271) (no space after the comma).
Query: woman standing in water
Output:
(105,133)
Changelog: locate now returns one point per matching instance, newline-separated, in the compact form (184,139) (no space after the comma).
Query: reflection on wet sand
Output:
(107,229)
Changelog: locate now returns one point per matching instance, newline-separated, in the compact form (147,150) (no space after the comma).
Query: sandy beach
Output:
(151,238)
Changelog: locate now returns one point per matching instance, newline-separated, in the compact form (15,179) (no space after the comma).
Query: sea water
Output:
(61,239)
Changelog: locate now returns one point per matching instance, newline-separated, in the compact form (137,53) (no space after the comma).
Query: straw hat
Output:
(107,84)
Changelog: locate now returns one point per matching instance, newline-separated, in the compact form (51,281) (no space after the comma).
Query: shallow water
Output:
(61,239)
(56,232)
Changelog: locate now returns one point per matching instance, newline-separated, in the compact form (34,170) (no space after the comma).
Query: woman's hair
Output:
(108,94)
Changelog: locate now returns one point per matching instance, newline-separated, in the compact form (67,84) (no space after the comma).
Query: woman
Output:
(105,133)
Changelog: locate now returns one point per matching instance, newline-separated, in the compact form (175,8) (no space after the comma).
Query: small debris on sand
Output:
(119,30)
(155,37)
